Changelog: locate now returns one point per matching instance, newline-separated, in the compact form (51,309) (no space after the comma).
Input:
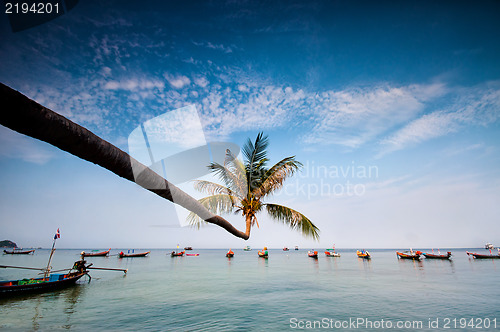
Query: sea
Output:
(288,291)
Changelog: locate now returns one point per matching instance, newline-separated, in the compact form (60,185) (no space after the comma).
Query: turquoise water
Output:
(285,292)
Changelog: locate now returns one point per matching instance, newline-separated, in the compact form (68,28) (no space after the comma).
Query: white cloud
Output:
(134,85)
(201,81)
(476,106)
(177,82)
(353,117)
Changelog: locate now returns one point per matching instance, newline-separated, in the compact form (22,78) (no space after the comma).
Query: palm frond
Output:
(217,204)
(293,219)
(231,180)
(274,178)
(237,168)
(213,188)
(256,158)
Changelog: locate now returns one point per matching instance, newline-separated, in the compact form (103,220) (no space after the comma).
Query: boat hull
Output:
(19,252)
(415,256)
(481,256)
(229,255)
(12,288)
(142,254)
(97,254)
(433,256)
(331,254)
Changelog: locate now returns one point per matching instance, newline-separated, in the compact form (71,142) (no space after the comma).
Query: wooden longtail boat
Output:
(409,255)
(438,256)
(331,252)
(52,282)
(229,254)
(285,249)
(363,254)
(177,254)
(482,256)
(49,281)
(188,248)
(192,254)
(95,254)
(142,254)
(264,253)
(312,254)
(19,252)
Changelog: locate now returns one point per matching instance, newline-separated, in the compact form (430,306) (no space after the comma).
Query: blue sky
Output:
(408,90)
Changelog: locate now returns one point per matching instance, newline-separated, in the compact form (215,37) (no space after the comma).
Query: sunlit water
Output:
(286,291)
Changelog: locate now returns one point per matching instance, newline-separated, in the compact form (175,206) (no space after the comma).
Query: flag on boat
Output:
(57,235)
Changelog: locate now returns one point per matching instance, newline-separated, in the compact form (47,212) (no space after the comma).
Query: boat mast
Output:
(47,270)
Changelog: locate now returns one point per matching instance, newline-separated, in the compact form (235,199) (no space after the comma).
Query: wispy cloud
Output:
(134,85)
(17,146)
(478,106)
(219,47)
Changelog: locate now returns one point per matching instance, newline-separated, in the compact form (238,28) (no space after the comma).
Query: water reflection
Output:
(72,297)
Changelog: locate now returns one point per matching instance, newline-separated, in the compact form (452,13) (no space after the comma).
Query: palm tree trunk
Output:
(27,117)
(249,225)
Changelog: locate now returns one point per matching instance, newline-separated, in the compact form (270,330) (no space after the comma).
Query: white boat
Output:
(247,248)
(489,246)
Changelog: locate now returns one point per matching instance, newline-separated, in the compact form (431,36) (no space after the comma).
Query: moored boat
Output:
(177,254)
(363,254)
(141,254)
(409,254)
(95,254)
(312,253)
(16,251)
(49,281)
(52,282)
(229,254)
(188,248)
(483,256)
(296,247)
(489,246)
(193,254)
(437,256)
(264,253)
(285,249)
(247,248)
(331,252)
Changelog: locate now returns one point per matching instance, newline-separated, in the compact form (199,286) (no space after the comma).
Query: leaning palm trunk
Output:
(27,117)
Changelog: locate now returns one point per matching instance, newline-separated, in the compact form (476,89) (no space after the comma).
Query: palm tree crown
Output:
(247,184)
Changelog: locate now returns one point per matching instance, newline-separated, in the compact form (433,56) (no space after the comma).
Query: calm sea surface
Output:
(285,292)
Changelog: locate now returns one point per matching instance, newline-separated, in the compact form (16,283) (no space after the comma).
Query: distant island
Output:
(7,244)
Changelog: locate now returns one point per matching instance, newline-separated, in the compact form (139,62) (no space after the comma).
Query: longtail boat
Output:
(312,253)
(438,256)
(188,248)
(49,281)
(177,254)
(141,254)
(193,254)
(95,254)
(409,255)
(19,251)
(264,253)
(331,252)
(229,254)
(482,256)
(285,249)
(363,254)
(247,248)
